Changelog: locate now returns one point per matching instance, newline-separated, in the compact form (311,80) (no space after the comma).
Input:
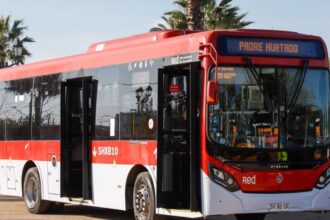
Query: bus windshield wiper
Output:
(259,81)
(299,80)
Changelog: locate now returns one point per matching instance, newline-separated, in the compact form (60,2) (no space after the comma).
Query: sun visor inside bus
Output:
(273,47)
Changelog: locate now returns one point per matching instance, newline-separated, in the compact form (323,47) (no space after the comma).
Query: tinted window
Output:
(126,103)
(16,109)
(107,105)
(46,107)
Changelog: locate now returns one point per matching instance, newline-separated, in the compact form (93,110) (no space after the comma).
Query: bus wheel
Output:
(256,216)
(32,193)
(144,197)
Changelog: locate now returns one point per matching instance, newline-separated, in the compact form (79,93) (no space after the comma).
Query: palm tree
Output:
(193,14)
(212,16)
(9,35)
(176,19)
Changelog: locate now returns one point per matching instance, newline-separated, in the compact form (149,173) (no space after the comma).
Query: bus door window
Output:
(73,131)
(176,101)
(176,124)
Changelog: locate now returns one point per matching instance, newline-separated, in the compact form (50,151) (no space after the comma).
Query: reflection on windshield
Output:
(243,118)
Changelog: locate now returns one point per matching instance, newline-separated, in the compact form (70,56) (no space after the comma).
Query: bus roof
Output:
(138,47)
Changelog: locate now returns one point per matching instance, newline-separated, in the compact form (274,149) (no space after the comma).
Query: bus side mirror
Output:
(212,92)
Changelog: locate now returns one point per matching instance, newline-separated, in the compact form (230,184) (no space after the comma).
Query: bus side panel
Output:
(11,172)
(11,179)
(12,163)
(109,185)
(109,182)
(112,162)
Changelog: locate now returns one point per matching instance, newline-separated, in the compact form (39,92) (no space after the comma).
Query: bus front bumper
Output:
(216,200)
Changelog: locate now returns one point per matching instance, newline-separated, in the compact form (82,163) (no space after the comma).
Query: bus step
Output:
(79,200)
(179,213)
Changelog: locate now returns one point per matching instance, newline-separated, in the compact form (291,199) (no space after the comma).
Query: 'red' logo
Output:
(279,178)
(249,180)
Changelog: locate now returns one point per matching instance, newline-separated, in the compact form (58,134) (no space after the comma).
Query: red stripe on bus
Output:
(124,152)
(114,152)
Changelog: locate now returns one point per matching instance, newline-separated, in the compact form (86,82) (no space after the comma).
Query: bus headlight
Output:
(230,181)
(223,178)
(323,180)
(218,174)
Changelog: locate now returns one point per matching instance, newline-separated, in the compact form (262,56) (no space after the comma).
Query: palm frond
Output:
(213,15)
(181,3)
(9,33)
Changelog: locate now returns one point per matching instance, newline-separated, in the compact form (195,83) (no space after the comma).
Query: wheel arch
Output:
(133,173)
(29,164)
(34,203)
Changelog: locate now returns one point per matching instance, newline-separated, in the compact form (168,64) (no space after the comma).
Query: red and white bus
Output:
(180,123)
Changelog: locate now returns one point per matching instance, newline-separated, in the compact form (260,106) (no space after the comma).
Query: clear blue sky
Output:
(66,27)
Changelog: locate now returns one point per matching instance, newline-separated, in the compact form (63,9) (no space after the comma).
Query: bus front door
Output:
(78,98)
(177,166)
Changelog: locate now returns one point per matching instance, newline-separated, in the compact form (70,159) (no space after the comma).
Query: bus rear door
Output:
(78,98)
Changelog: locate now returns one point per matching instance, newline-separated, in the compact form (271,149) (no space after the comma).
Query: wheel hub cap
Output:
(142,201)
(31,193)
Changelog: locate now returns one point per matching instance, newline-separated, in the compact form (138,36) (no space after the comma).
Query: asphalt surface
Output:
(12,208)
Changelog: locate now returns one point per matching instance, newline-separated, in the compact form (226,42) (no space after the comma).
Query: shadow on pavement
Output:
(93,212)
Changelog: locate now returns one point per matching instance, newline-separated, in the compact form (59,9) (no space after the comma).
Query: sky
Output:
(67,27)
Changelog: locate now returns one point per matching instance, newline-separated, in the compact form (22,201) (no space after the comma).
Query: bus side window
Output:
(17,111)
(107,105)
(46,108)
(138,115)
(125,105)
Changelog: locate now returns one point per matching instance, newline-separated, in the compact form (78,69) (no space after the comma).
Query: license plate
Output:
(282,206)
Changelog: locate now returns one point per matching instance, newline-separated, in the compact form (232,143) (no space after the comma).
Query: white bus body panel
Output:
(108,182)
(216,200)
(10,177)
(109,185)
(54,176)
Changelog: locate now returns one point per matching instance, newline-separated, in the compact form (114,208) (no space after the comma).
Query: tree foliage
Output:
(212,16)
(9,33)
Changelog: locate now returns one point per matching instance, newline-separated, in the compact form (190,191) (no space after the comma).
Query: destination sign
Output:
(239,46)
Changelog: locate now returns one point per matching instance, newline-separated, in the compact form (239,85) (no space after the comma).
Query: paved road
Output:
(12,208)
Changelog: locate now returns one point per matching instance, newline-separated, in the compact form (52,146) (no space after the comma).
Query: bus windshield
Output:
(272,108)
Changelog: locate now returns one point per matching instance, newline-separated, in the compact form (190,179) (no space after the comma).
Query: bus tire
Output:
(144,205)
(255,216)
(32,193)
(56,207)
